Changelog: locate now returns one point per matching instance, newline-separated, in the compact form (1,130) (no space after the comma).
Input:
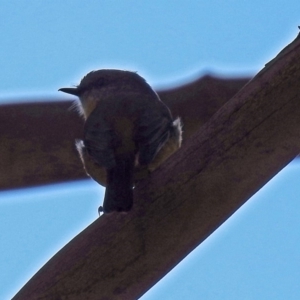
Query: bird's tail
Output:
(119,188)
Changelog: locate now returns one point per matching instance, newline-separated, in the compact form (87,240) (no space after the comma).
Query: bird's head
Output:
(97,84)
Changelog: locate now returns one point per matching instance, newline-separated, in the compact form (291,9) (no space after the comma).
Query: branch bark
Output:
(249,140)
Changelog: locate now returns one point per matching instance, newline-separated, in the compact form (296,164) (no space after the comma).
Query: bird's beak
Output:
(72,91)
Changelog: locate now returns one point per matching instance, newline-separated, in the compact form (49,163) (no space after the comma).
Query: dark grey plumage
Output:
(127,126)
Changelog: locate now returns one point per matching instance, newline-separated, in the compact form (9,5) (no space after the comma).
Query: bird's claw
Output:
(100,210)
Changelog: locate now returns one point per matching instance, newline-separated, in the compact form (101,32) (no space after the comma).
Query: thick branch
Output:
(37,139)
(246,143)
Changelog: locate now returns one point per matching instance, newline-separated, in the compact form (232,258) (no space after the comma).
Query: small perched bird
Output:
(127,128)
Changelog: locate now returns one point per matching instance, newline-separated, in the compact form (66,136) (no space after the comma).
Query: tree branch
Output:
(37,139)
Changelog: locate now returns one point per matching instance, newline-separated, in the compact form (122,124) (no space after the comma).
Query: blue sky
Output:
(47,45)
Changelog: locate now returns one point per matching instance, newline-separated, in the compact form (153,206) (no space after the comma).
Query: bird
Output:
(127,130)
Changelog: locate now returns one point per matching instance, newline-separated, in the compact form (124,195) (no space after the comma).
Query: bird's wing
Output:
(153,130)
(99,139)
